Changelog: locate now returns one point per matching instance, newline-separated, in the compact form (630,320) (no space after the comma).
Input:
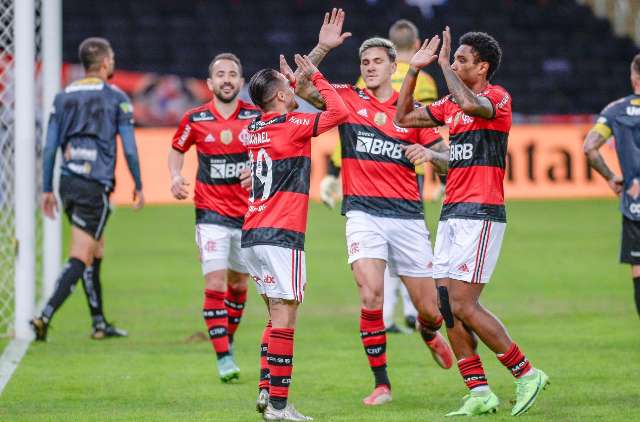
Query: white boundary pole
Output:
(25,169)
(51,74)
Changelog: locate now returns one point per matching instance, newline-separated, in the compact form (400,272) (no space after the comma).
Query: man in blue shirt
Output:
(85,119)
(621,119)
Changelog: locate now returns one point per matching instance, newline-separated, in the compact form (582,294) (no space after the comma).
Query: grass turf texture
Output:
(558,288)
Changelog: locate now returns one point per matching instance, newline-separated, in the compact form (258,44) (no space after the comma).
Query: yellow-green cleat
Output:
(228,369)
(528,388)
(477,403)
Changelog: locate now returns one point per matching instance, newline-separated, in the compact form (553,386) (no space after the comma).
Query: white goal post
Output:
(30,71)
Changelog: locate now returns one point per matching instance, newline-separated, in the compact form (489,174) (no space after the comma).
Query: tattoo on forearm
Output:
(597,162)
(460,92)
(440,161)
(317,54)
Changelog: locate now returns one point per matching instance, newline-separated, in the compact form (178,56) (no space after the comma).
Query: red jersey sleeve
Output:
(437,110)
(336,112)
(500,99)
(183,138)
(429,136)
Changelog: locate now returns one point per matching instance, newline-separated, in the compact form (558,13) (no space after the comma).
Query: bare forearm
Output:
(597,162)
(305,88)
(405,99)
(464,97)
(440,161)
(176,162)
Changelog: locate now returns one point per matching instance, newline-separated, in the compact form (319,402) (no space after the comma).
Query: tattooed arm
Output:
(437,155)
(592,144)
(468,101)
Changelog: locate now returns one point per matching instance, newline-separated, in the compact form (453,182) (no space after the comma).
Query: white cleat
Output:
(263,400)
(289,413)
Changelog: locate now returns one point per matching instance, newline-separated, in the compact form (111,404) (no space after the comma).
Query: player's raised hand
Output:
(331,35)
(444,58)
(179,187)
(417,154)
(305,66)
(285,69)
(426,54)
(49,205)
(138,200)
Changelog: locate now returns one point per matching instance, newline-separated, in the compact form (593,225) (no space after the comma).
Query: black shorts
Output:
(86,204)
(630,248)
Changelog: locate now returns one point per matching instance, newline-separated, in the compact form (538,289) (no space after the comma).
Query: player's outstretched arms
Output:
(592,144)
(329,37)
(178,182)
(468,101)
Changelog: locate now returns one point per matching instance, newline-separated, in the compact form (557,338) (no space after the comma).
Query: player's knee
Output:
(372,299)
(237,281)
(462,310)
(215,280)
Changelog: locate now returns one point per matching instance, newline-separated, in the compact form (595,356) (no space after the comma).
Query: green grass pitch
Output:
(558,288)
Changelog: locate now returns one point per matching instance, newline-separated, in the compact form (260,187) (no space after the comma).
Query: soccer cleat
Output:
(289,413)
(263,400)
(475,404)
(441,351)
(411,321)
(380,395)
(105,330)
(528,388)
(228,369)
(39,328)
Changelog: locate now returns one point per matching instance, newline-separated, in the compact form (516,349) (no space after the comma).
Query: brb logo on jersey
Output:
(460,152)
(221,169)
(368,143)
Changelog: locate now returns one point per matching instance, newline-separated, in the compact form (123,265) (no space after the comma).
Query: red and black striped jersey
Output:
(219,198)
(377,178)
(478,151)
(280,159)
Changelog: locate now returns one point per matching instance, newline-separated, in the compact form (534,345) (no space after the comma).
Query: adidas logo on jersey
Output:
(209,138)
(369,144)
(363,112)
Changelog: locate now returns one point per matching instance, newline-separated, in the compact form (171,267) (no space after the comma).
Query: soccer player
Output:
(621,119)
(385,217)
(84,122)
(216,129)
(405,37)
(276,221)
(473,217)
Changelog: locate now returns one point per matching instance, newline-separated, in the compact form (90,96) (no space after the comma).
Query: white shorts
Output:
(467,250)
(278,272)
(219,248)
(404,244)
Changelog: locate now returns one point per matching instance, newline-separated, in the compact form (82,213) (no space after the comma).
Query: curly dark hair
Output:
(485,48)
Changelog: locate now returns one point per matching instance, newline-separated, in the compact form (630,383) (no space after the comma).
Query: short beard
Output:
(226,100)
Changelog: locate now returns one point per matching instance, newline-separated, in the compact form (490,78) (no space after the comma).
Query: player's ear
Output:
(394,66)
(210,84)
(241,81)
(483,69)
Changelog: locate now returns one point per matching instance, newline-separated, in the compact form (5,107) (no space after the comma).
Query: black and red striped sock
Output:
(234,302)
(280,363)
(515,361)
(429,329)
(264,367)
(215,317)
(374,340)
(472,372)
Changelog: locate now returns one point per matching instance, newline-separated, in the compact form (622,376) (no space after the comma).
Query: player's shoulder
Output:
(621,104)
(347,89)
(261,122)
(116,91)
(299,118)
(497,94)
(248,111)
(200,113)
(83,85)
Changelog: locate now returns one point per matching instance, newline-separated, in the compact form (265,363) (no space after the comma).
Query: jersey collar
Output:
(216,113)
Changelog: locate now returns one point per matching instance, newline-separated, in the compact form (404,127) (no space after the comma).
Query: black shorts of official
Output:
(630,248)
(86,204)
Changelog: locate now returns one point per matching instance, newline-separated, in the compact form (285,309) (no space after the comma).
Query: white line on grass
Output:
(10,359)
